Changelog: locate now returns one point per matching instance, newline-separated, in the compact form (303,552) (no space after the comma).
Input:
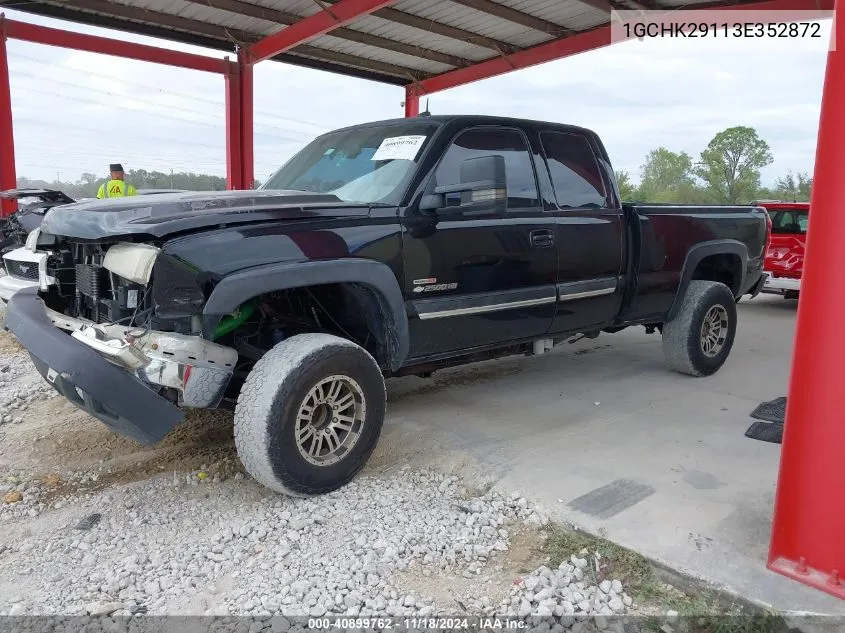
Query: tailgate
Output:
(785,256)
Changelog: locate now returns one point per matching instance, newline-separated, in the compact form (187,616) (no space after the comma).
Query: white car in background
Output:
(24,268)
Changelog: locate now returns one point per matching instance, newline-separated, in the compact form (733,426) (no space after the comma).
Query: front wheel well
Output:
(354,311)
(725,268)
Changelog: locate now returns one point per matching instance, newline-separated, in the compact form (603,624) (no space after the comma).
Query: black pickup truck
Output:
(390,248)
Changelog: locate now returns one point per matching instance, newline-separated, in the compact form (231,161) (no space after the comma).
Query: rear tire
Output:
(310,414)
(699,339)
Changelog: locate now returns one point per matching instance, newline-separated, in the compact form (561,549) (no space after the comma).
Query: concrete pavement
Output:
(606,436)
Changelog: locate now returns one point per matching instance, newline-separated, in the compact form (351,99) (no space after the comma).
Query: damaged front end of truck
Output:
(115,335)
(117,326)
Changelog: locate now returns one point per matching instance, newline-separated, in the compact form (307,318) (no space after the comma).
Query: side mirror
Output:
(482,188)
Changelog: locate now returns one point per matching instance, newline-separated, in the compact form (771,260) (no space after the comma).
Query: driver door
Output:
(485,277)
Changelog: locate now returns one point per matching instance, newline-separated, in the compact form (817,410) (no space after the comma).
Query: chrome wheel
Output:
(330,420)
(714,331)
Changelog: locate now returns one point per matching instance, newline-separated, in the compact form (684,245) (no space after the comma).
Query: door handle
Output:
(542,238)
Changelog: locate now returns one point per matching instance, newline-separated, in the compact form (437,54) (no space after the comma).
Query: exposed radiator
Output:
(91,281)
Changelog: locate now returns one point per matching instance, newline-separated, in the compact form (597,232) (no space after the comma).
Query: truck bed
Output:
(661,238)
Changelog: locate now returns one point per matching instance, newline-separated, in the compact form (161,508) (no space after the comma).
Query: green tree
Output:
(730,166)
(667,177)
(793,187)
(627,190)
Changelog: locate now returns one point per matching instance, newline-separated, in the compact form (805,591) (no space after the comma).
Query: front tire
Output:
(310,414)
(699,339)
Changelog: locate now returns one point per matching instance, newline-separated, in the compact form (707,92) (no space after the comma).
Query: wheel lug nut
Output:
(334,419)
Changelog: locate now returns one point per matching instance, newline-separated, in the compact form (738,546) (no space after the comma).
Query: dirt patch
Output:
(56,437)
(451,591)
(10,345)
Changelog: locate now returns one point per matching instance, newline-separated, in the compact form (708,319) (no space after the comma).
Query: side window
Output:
(474,143)
(803,221)
(575,172)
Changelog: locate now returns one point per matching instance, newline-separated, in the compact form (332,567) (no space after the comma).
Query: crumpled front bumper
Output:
(121,396)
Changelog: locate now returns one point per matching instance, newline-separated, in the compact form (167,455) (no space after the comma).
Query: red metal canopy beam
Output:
(556,49)
(808,531)
(109,46)
(307,29)
(234,143)
(8,178)
(239,99)
(247,126)
(585,41)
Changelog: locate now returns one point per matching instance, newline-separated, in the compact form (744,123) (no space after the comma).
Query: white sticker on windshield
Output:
(401,147)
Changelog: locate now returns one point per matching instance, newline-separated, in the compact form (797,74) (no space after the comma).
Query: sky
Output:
(77,112)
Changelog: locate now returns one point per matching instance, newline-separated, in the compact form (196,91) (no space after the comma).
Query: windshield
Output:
(368,165)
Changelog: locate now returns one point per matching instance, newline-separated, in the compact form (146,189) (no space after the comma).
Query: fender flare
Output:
(694,257)
(238,287)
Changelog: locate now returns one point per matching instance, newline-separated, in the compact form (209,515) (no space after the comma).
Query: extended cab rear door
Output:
(589,227)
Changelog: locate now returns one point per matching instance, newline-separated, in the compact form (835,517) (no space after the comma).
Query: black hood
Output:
(164,214)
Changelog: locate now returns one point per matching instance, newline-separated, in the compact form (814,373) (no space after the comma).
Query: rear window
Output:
(792,221)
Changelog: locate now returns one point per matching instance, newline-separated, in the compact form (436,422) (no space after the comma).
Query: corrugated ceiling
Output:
(409,41)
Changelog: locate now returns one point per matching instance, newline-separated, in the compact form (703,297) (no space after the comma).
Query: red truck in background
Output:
(785,255)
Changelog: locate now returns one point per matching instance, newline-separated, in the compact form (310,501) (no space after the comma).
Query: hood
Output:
(36,200)
(168,213)
(37,196)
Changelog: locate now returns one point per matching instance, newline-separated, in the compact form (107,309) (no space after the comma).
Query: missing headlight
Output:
(176,290)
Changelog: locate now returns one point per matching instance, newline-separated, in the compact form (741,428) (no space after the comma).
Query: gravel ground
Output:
(405,541)
(20,384)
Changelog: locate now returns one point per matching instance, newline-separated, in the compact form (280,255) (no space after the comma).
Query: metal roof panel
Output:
(561,13)
(417,37)
(201,13)
(472,20)
(378,54)
(444,31)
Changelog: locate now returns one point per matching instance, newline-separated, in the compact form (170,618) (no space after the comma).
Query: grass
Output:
(699,610)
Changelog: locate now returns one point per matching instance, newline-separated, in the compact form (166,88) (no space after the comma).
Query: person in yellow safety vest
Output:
(116,187)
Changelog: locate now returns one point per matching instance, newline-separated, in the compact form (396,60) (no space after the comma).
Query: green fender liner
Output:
(232,322)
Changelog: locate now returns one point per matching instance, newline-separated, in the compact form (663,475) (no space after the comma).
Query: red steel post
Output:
(808,531)
(246,125)
(234,146)
(8,179)
(412,101)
